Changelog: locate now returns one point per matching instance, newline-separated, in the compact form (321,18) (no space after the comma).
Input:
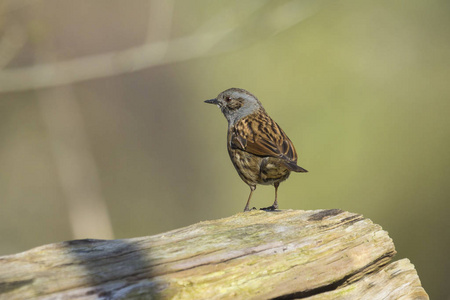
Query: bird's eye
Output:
(228,99)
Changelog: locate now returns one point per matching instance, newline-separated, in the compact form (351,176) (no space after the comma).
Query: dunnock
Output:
(260,150)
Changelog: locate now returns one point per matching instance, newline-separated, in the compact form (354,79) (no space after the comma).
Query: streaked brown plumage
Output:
(260,150)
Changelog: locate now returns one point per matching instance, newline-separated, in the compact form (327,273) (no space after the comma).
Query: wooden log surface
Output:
(289,254)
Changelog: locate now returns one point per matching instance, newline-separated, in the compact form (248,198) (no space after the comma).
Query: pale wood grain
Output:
(324,254)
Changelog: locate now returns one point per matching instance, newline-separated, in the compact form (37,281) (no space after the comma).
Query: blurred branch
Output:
(75,164)
(11,43)
(159,24)
(104,65)
(160,17)
(213,38)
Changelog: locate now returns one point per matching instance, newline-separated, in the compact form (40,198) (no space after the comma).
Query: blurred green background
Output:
(104,133)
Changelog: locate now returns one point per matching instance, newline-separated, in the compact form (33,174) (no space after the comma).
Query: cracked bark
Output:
(324,254)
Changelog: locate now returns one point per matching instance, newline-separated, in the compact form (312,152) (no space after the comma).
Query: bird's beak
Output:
(212,101)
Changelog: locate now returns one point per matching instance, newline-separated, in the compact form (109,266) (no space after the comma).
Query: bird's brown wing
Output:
(260,135)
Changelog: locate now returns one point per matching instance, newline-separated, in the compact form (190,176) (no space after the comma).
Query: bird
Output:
(258,148)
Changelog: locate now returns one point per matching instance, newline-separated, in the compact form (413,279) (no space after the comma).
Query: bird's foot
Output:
(253,208)
(270,208)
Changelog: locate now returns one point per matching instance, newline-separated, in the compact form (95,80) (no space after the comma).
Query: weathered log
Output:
(323,254)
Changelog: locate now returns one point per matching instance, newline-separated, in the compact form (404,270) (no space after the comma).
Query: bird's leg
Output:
(252,188)
(275,203)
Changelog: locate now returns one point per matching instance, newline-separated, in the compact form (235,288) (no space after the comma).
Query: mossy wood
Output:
(323,254)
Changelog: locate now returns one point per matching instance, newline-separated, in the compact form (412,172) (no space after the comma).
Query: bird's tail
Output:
(294,167)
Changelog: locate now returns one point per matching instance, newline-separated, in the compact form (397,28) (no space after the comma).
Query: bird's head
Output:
(236,103)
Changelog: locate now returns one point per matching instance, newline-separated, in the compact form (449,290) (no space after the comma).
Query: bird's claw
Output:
(270,208)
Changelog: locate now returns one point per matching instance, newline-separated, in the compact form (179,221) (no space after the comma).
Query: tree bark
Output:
(289,254)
